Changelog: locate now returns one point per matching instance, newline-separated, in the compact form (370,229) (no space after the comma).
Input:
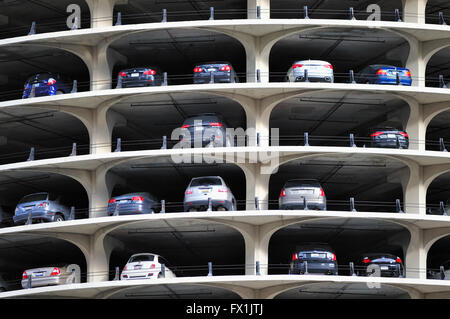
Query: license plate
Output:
(205,190)
(384,267)
(391,136)
(211,70)
(38,274)
(137,267)
(315,255)
(198,128)
(302,191)
(134,75)
(123,201)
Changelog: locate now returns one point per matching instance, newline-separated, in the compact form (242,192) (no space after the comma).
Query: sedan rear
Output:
(215,72)
(385,74)
(132,203)
(390,265)
(44,276)
(389,138)
(140,77)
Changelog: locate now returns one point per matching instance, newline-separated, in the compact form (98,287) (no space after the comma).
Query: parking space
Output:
(20,252)
(343,291)
(20,62)
(343,236)
(365,178)
(438,128)
(438,256)
(438,66)
(177,52)
(319,9)
(345,49)
(433,9)
(142,11)
(149,118)
(168,181)
(188,245)
(50,133)
(330,117)
(16,16)
(439,191)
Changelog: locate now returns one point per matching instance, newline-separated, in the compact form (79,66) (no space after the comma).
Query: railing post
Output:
(72,213)
(119,18)
(306,267)
(116,210)
(352,269)
(164,13)
(119,83)
(117,274)
(442,84)
(163,271)
(442,272)
(397,15)
(352,140)
(211,13)
(74,87)
(442,208)
(29,283)
(210,271)
(256,203)
(305,204)
(164,144)
(441,18)
(305,12)
(258,75)
(398,206)
(33,28)
(119,145)
(352,14)
(352,77)
(306,137)
(211,79)
(74,150)
(442,145)
(352,204)
(165,82)
(29,219)
(258,12)
(258,268)
(31,156)
(306,77)
(163,206)
(209,204)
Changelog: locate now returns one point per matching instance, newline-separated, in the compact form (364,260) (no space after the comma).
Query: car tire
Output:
(59,218)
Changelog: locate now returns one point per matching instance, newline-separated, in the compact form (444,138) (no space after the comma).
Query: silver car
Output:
(297,192)
(318,71)
(145,266)
(49,276)
(133,203)
(201,189)
(43,207)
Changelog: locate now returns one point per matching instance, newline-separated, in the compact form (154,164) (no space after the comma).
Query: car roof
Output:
(140,254)
(214,62)
(198,177)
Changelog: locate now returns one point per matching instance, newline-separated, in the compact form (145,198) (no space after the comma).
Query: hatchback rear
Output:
(46,84)
(317,71)
(314,259)
(205,130)
(145,266)
(201,189)
(140,77)
(133,203)
(385,74)
(46,207)
(218,72)
(390,265)
(297,192)
(388,137)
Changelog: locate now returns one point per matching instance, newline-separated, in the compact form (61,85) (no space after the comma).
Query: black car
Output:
(314,259)
(390,265)
(219,72)
(203,130)
(388,137)
(140,77)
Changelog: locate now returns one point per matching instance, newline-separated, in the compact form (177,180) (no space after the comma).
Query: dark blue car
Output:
(46,84)
(384,74)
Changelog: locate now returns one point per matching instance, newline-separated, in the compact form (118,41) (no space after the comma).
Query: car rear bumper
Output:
(390,144)
(138,275)
(140,83)
(326,268)
(203,204)
(129,209)
(300,205)
(386,270)
(218,78)
(35,214)
(41,282)
(393,81)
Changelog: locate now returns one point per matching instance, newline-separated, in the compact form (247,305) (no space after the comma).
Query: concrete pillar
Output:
(414,11)
(263,4)
(102,12)
(416,62)
(416,255)
(416,127)
(257,184)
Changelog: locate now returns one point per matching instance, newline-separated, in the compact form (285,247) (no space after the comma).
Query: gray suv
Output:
(46,207)
(205,130)
(201,189)
(297,192)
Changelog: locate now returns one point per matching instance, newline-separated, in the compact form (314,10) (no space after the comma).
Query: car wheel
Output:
(59,218)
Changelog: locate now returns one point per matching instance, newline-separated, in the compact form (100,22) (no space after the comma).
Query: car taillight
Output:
(322,193)
(225,68)
(51,81)
(137,199)
(403,134)
(188,193)
(376,134)
(152,266)
(297,66)
(111,201)
(198,70)
(328,66)
(56,272)
(398,260)
(408,73)
(333,257)
(44,204)
(150,72)
(294,257)
(216,124)
(122,74)
(125,268)
(382,72)
(366,260)
(24,275)
(185,126)
(283,193)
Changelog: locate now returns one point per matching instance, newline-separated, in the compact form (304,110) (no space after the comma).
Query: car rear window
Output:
(33,198)
(206,181)
(302,183)
(142,258)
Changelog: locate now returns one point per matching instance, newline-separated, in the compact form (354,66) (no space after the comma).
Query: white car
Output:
(318,71)
(145,266)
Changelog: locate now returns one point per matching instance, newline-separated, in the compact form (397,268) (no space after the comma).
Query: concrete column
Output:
(416,255)
(416,127)
(416,62)
(102,12)
(414,11)
(257,59)
(257,184)
(263,4)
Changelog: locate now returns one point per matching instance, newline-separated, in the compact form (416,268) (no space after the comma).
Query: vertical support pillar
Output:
(414,11)
(416,255)
(264,7)
(102,12)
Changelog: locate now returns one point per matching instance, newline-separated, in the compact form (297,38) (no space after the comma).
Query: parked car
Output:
(140,77)
(318,71)
(222,72)
(384,74)
(49,276)
(133,203)
(296,191)
(6,216)
(314,258)
(390,265)
(205,130)
(200,189)
(46,207)
(46,84)
(388,137)
(436,274)
(145,266)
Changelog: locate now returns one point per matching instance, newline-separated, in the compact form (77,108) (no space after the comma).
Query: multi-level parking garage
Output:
(102,140)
